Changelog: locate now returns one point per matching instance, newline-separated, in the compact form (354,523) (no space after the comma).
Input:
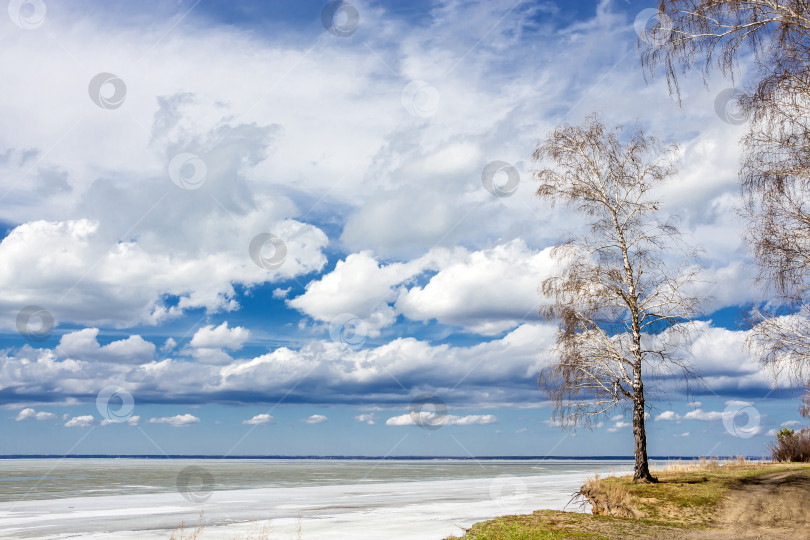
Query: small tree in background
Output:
(614,288)
(791,446)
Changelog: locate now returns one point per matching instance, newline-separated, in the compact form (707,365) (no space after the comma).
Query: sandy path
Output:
(769,506)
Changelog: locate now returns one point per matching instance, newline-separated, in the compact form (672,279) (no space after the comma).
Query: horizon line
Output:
(354,457)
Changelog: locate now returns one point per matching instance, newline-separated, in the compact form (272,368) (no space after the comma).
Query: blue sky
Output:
(129,207)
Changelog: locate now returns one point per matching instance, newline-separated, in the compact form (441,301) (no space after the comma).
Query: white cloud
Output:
(132,421)
(106,196)
(707,416)
(667,415)
(618,425)
(522,430)
(28,413)
(494,372)
(281,293)
(445,420)
(260,420)
(407,420)
(316,419)
(220,337)
(361,286)
(126,282)
(487,291)
(179,420)
(738,403)
(80,421)
(366,418)
(84,344)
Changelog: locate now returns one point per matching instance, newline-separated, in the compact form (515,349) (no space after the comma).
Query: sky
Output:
(310,228)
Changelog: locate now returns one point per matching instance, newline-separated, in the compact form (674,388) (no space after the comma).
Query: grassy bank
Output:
(696,500)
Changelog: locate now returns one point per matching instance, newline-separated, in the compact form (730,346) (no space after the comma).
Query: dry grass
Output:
(613,498)
(705,464)
(687,502)
(256,532)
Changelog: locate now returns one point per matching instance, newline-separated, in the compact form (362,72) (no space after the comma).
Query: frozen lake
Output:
(326,499)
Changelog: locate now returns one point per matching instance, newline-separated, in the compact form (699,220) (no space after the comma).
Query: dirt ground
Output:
(769,506)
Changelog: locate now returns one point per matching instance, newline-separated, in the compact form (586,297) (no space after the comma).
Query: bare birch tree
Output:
(615,294)
(775,170)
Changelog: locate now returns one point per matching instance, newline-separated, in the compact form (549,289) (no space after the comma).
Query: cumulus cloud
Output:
(316,419)
(126,283)
(617,425)
(29,413)
(366,418)
(180,420)
(361,286)
(80,421)
(487,291)
(260,420)
(494,372)
(84,344)
(220,337)
(706,416)
(445,420)
(132,421)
